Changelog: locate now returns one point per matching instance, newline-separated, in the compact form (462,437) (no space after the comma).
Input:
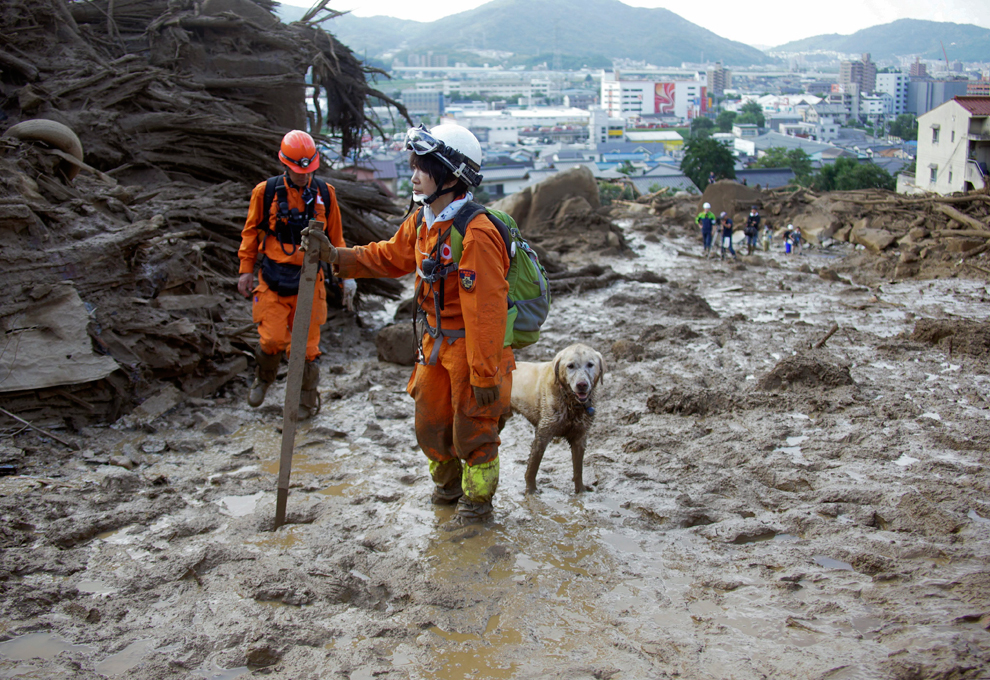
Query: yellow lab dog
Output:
(557,397)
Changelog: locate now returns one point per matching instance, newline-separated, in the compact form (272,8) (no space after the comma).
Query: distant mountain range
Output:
(902,38)
(591,32)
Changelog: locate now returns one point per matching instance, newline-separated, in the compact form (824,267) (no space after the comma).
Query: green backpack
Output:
(529,286)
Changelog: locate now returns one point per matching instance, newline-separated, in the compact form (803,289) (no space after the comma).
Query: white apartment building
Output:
(896,85)
(503,87)
(954,146)
(502,127)
(879,104)
(632,98)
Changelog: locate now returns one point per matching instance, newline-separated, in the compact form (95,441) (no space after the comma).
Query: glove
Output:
(350,288)
(327,251)
(485,396)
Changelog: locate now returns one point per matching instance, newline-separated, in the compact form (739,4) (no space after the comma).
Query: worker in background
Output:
(706,221)
(462,380)
(727,226)
(752,230)
(270,242)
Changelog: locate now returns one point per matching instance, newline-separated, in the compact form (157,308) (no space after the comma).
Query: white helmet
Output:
(707,206)
(453,145)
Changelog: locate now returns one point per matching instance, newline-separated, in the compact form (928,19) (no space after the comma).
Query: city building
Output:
(504,180)
(862,73)
(669,139)
(746,130)
(420,102)
(925,95)
(954,146)
(719,79)
(896,85)
(428,60)
(878,105)
(504,127)
(382,173)
(766,178)
(978,88)
(633,98)
(918,70)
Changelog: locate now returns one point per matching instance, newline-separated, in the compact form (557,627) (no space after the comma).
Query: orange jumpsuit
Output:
(449,422)
(273,312)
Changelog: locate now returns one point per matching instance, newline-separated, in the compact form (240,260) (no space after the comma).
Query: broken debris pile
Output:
(914,236)
(120,253)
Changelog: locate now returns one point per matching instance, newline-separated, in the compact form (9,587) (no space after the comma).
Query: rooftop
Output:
(978,106)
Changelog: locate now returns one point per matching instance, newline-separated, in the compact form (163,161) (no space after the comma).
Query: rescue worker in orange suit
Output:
(462,380)
(270,240)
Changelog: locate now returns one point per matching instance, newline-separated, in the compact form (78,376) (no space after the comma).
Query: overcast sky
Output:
(754,22)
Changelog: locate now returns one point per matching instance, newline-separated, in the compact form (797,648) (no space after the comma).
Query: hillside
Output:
(590,28)
(904,37)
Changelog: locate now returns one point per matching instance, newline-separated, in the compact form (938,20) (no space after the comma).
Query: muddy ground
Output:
(759,509)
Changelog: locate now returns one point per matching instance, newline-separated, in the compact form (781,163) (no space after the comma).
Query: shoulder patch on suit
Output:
(467,279)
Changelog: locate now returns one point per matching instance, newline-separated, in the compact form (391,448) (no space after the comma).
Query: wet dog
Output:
(557,397)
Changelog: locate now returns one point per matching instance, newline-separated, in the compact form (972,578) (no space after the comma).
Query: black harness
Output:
(433,274)
(283,277)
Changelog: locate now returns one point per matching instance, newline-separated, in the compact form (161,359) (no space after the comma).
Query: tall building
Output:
(862,73)
(719,79)
(925,95)
(635,98)
(896,85)
(918,70)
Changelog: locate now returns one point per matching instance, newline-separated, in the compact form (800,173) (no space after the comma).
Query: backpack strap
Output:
(469,211)
(263,221)
(324,190)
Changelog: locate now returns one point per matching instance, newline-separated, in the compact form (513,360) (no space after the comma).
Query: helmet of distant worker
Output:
(445,152)
(706,206)
(298,152)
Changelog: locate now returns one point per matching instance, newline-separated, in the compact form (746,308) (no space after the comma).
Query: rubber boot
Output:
(479,483)
(264,375)
(309,397)
(447,480)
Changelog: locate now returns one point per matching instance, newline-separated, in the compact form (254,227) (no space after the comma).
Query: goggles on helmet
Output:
(302,162)
(421,142)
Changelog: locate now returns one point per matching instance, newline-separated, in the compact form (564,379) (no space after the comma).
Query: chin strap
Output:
(440,190)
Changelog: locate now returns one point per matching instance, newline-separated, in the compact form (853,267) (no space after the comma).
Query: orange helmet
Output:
(299,152)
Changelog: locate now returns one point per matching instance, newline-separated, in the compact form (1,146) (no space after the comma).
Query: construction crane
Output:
(945,55)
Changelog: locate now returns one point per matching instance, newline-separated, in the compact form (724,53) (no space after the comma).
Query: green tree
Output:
(608,192)
(703,155)
(702,127)
(724,120)
(626,168)
(751,112)
(795,159)
(905,126)
(847,174)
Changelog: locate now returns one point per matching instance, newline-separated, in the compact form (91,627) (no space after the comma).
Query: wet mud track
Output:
(759,509)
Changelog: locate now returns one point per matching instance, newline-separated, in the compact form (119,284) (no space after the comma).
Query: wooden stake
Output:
(74,447)
(831,332)
(297,361)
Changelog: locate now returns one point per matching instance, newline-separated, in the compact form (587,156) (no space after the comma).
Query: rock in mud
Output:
(809,370)
(627,350)
(686,402)
(915,513)
(396,344)
(968,337)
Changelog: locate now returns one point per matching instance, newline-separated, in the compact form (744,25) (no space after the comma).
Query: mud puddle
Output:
(810,527)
